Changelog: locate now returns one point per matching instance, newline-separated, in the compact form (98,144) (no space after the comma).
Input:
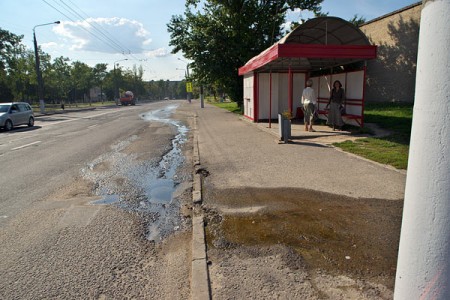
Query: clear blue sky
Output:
(134,26)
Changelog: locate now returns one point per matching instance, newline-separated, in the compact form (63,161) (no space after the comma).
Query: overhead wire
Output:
(97,27)
(105,37)
(83,28)
(116,46)
(104,32)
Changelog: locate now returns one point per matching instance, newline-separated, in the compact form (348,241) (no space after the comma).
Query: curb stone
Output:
(200,287)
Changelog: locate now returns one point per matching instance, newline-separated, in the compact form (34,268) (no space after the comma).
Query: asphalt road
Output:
(54,243)
(38,160)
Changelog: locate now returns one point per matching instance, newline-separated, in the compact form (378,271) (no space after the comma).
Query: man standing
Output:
(309,102)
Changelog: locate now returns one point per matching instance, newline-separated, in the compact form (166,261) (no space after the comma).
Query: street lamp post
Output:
(38,68)
(202,105)
(116,88)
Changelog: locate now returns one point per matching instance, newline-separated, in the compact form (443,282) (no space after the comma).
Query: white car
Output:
(14,114)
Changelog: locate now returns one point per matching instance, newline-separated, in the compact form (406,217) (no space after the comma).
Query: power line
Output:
(88,31)
(105,37)
(98,27)
(94,25)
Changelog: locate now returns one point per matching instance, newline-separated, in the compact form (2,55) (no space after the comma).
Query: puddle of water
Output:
(161,190)
(161,182)
(325,229)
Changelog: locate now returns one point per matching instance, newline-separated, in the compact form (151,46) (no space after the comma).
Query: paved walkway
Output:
(239,153)
(323,134)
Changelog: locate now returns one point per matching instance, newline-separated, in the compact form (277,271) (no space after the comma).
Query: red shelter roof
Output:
(322,42)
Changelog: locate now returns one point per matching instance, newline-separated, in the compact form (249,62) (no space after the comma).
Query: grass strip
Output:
(230,106)
(393,149)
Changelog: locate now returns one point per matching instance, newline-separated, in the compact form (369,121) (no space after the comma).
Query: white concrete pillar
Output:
(423,268)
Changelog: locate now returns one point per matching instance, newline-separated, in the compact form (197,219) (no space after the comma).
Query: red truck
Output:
(127,98)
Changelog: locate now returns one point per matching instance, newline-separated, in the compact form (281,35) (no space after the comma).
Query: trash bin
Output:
(284,128)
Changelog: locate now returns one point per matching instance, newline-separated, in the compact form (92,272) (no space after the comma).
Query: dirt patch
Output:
(102,167)
(77,188)
(145,147)
(332,234)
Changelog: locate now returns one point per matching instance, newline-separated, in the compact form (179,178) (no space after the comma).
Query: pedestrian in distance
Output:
(309,104)
(335,105)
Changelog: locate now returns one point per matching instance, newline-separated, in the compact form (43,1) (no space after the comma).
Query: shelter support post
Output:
(256,96)
(270,100)
(290,92)
(423,268)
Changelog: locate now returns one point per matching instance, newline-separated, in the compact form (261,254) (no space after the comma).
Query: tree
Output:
(225,34)
(59,81)
(138,87)
(9,47)
(357,20)
(99,74)
(82,78)
(21,73)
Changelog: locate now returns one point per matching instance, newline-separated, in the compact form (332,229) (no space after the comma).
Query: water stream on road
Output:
(146,188)
(160,188)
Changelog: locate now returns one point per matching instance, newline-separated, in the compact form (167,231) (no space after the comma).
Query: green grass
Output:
(393,149)
(230,106)
(392,116)
(381,150)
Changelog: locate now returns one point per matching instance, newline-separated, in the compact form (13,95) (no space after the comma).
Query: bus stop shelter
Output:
(323,49)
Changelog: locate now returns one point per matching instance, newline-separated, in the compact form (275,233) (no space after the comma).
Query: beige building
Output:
(392,76)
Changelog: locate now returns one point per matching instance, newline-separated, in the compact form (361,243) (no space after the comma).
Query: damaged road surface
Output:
(99,208)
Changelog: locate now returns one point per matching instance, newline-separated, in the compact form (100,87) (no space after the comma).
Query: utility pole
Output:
(188,79)
(40,82)
(202,102)
(423,268)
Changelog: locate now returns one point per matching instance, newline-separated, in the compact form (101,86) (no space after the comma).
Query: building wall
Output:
(280,93)
(248,96)
(392,76)
(264,96)
(299,83)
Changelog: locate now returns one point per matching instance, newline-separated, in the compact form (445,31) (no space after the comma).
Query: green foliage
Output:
(357,20)
(62,81)
(230,106)
(161,89)
(393,149)
(225,34)
(383,150)
(10,59)
(393,116)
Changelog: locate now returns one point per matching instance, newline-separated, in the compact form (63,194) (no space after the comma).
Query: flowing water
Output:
(145,187)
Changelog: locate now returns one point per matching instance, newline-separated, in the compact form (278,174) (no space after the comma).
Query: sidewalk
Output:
(323,134)
(239,153)
(296,220)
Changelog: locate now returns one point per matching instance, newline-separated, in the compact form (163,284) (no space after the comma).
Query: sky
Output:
(133,32)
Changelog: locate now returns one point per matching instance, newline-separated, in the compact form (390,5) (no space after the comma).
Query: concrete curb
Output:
(199,276)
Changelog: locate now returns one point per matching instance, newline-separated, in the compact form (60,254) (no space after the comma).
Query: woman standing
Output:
(335,103)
